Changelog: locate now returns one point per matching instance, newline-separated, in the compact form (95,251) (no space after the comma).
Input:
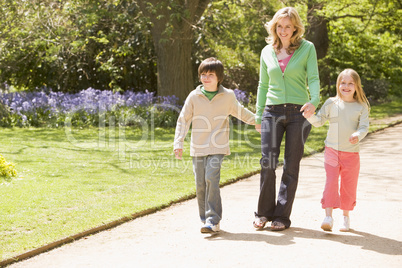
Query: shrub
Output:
(7,169)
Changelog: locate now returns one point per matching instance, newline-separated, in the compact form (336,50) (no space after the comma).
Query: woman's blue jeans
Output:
(277,121)
(207,172)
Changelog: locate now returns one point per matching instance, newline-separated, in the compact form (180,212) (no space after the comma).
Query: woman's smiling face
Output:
(285,29)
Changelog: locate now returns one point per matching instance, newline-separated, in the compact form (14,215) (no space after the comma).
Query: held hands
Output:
(308,110)
(178,153)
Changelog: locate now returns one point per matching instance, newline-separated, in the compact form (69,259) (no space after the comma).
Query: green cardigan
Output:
(293,85)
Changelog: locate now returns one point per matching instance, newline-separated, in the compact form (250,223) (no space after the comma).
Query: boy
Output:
(208,108)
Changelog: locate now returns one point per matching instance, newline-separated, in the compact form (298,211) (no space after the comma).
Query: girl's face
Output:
(209,80)
(347,88)
(285,29)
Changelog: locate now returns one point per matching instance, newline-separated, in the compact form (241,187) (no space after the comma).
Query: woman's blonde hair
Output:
(296,38)
(359,95)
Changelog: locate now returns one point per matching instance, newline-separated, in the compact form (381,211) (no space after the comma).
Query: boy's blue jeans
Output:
(276,120)
(207,172)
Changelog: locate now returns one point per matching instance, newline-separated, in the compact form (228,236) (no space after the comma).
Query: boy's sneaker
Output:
(210,228)
(345,225)
(327,224)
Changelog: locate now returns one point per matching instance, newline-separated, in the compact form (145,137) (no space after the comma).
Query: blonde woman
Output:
(348,115)
(283,96)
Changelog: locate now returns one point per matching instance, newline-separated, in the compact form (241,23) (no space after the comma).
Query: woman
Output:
(287,62)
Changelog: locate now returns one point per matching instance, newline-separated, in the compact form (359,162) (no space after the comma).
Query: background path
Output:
(172,238)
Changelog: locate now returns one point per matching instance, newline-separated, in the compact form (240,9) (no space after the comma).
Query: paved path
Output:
(171,237)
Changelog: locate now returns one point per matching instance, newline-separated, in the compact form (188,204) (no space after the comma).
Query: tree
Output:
(26,28)
(366,36)
(317,30)
(72,45)
(171,24)
(234,32)
(75,44)
(350,34)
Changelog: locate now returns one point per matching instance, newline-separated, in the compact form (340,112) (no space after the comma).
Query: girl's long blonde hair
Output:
(273,37)
(359,95)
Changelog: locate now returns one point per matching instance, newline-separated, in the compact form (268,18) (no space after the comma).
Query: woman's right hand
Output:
(258,128)
(308,110)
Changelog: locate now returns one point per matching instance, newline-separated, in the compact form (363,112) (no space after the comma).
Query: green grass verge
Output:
(72,180)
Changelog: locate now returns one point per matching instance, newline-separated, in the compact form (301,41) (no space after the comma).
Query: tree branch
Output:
(371,16)
(346,16)
(202,5)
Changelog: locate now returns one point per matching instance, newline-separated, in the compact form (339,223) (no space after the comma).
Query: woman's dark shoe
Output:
(277,226)
(259,222)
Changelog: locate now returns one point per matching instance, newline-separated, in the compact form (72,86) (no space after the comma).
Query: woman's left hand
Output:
(308,110)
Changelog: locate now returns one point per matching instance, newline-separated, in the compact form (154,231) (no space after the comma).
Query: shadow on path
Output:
(354,238)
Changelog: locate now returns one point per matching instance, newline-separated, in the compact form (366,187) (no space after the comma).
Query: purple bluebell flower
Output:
(241,96)
(89,104)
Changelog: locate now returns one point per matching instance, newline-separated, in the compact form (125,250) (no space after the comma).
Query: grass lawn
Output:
(71,180)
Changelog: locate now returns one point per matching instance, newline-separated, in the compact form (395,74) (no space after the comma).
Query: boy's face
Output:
(209,80)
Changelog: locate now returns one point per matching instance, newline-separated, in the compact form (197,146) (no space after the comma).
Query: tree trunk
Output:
(317,31)
(175,72)
(172,32)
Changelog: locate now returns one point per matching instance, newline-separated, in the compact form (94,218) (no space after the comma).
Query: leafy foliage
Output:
(233,31)
(364,36)
(76,44)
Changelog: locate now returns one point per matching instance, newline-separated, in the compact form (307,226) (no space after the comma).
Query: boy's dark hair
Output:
(212,65)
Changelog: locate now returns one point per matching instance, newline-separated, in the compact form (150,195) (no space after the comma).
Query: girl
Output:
(348,115)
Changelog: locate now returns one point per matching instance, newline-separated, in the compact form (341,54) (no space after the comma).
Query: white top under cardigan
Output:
(345,119)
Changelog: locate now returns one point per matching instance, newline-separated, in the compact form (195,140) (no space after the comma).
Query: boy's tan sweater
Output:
(210,121)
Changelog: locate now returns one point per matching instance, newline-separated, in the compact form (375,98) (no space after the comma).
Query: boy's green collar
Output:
(198,89)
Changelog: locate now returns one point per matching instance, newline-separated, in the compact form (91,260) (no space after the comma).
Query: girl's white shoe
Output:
(345,225)
(327,224)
